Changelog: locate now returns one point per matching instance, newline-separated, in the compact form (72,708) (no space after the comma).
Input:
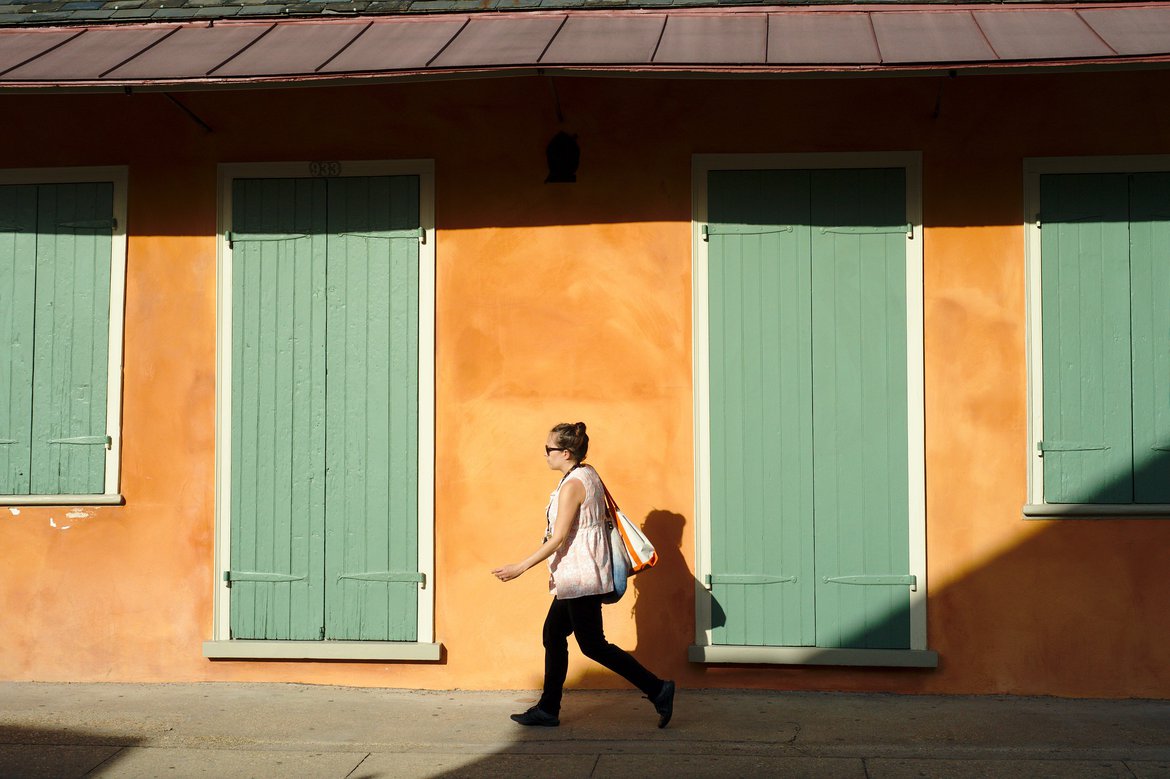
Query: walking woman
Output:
(580,574)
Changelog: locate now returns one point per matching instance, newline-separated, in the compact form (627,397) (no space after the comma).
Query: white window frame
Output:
(424,648)
(1034,168)
(704,651)
(117,176)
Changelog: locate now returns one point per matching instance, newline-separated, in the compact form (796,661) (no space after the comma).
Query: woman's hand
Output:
(509,572)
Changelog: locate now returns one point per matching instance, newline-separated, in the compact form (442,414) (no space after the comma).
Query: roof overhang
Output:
(781,40)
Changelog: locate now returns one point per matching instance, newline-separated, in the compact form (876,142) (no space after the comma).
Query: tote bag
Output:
(638,548)
(629,549)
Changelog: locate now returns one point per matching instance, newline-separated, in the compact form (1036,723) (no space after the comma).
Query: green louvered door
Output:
(18,244)
(371,558)
(1087,447)
(1105,303)
(860,436)
(807,340)
(761,408)
(278,408)
(1150,316)
(55,248)
(324,408)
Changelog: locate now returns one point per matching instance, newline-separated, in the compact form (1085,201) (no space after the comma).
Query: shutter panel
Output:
(18,240)
(1085,301)
(1150,310)
(761,424)
(859,408)
(278,407)
(71,342)
(372,417)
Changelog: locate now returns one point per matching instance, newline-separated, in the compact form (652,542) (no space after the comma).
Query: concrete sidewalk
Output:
(279,730)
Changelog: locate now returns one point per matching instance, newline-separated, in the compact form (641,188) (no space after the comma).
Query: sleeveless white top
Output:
(581,566)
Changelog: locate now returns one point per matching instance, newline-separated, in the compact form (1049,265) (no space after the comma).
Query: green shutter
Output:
(278,404)
(71,342)
(18,239)
(761,426)
(1085,301)
(372,415)
(325,409)
(859,407)
(1150,308)
(808,406)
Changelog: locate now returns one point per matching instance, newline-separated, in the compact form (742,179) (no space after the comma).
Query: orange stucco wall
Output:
(559,303)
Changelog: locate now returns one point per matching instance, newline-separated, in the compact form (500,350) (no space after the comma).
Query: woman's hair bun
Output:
(572,436)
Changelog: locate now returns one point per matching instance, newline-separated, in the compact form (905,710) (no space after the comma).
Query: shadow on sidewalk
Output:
(58,753)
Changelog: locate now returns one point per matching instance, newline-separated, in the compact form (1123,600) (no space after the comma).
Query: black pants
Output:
(582,617)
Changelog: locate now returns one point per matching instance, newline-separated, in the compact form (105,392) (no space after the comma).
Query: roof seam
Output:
(251,43)
(43,53)
(873,36)
(443,48)
(767,34)
(1093,30)
(661,32)
(553,37)
(983,34)
(161,38)
(337,53)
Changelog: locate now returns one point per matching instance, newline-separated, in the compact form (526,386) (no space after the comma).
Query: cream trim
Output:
(915,397)
(1096,510)
(1034,168)
(62,500)
(811,655)
(323,650)
(116,175)
(228,172)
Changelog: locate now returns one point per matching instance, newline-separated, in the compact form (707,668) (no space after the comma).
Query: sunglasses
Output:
(550,449)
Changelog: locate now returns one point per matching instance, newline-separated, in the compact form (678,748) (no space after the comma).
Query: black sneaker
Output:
(664,703)
(536,716)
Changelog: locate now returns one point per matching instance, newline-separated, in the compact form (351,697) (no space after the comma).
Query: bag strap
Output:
(609,501)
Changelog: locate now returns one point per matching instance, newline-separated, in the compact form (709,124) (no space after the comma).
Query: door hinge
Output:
(708,230)
(90,224)
(875,579)
(908,229)
(1069,446)
(419,233)
(387,576)
(85,440)
(747,578)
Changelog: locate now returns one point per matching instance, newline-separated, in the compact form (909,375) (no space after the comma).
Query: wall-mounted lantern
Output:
(563,157)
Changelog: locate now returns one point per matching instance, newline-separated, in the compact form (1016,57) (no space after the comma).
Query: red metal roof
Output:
(777,40)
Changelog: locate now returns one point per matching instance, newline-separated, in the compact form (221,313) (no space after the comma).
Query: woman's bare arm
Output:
(569,501)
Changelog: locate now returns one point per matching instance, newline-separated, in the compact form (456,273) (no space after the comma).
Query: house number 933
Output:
(327,169)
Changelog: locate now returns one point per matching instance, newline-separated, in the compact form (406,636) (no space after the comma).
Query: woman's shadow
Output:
(664,604)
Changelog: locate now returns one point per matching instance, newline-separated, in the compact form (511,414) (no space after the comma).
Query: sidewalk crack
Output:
(105,760)
(593,770)
(359,765)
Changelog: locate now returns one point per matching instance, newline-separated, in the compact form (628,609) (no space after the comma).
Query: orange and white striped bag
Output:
(639,550)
